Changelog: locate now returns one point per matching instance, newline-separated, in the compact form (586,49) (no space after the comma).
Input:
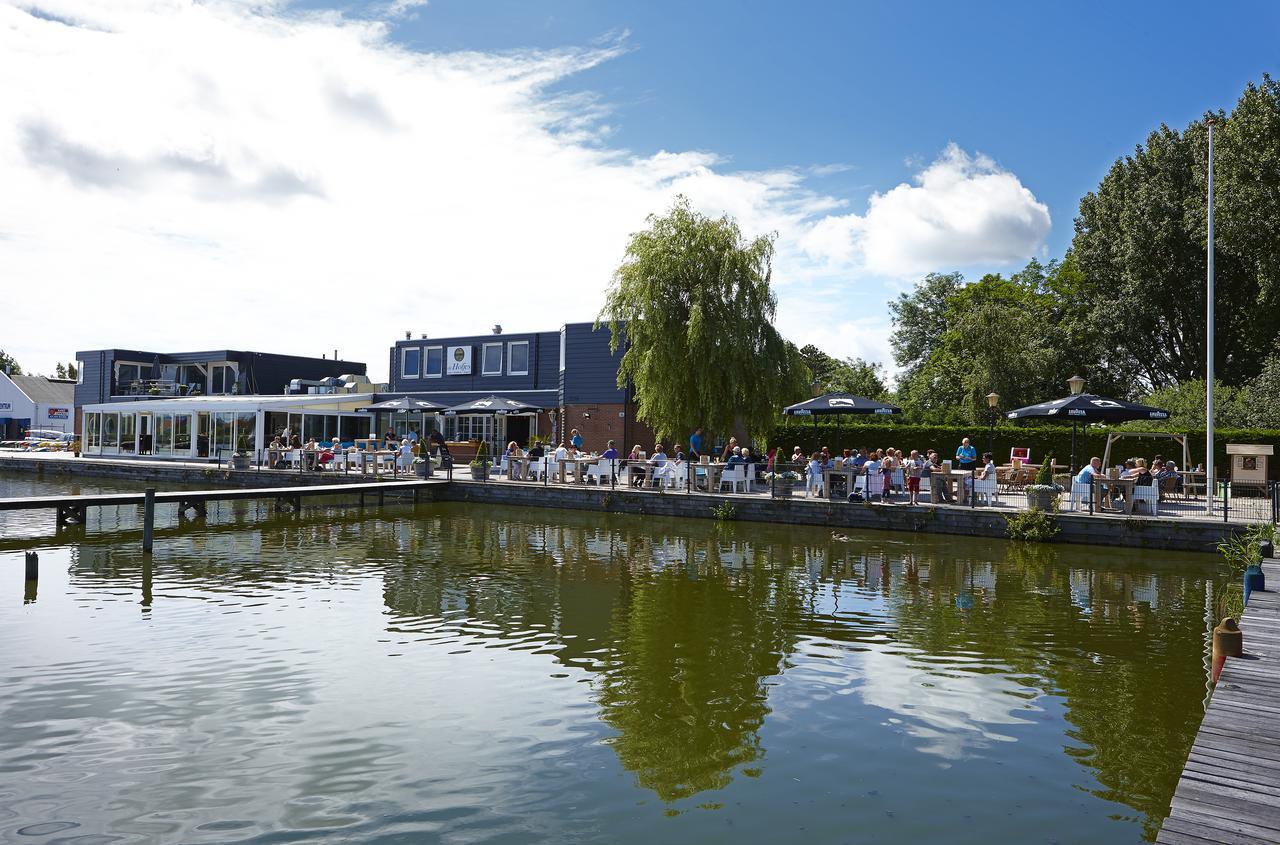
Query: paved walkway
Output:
(1230,787)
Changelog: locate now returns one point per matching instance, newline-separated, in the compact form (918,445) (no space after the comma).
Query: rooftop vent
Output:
(497,328)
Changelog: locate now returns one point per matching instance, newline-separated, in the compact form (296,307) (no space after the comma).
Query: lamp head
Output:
(1076,384)
(993,399)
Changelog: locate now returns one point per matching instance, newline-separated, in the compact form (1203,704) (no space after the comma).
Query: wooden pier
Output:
(1230,786)
(72,509)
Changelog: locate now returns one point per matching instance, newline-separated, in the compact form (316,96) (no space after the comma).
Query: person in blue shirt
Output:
(695,444)
(576,440)
(735,458)
(1086,474)
(966,455)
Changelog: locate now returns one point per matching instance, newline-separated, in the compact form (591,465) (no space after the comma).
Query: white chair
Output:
(1079,496)
(500,466)
(814,485)
(924,483)
(986,487)
(537,468)
(680,477)
(600,472)
(293,457)
(663,476)
(873,485)
(1149,495)
(735,475)
(552,467)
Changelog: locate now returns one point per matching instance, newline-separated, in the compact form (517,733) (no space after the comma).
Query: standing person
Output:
(913,470)
(576,439)
(729,449)
(887,465)
(695,444)
(966,455)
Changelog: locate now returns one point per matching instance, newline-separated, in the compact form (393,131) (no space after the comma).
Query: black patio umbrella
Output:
(404,405)
(1087,408)
(837,403)
(492,405)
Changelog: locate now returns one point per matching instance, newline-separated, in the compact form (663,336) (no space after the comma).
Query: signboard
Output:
(6,406)
(459,361)
(59,413)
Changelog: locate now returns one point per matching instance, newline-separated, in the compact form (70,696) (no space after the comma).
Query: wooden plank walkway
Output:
(70,507)
(1230,787)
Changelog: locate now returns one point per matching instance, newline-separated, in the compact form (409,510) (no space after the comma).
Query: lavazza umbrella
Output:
(837,403)
(492,405)
(404,405)
(1087,408)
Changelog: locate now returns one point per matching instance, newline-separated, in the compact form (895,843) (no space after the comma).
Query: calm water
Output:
(465,674)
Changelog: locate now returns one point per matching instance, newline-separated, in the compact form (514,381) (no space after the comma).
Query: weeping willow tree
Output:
(693,307)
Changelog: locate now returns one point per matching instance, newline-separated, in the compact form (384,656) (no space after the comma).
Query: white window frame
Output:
(484,360)
(79,371)
(425,351)
(404,371)
(564,342)
(511,345)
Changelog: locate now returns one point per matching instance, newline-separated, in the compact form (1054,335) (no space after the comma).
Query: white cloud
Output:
(962,211)
(240,174)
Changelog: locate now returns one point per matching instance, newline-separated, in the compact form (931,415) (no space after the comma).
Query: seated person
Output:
(988,471)
(661,467)
(535,451)
(735,457)
(1089,471)
(611,453)
(562,452)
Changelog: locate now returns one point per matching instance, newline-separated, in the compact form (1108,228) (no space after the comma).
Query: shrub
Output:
(1033,526)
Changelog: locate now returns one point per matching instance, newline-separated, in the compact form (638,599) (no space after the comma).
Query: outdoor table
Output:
(579,467)
(276,456)
(848,473)
(712,474)
(375,458)
(1125,485)
(518,468)
(949,478)
(1192,482)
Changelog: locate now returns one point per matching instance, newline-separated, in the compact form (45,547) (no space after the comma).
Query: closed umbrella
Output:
(837,403)
(1086,408)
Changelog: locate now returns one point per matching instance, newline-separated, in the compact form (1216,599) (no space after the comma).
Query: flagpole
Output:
(1208,379)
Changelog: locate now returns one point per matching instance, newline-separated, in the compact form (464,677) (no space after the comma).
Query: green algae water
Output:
(456,673)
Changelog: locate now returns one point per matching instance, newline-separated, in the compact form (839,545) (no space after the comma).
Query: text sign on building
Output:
(59,413)
(459,360)
(6,406)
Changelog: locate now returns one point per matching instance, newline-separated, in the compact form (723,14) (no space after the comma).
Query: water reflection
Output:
(716,657)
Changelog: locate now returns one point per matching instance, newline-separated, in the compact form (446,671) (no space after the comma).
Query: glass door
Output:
(144,434)
(203,433)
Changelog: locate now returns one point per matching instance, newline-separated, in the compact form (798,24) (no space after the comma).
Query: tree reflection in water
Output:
(687,626)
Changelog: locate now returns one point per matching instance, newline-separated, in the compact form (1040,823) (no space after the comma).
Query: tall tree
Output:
(9,365)
(1141,246)
(695,302)
(850,375)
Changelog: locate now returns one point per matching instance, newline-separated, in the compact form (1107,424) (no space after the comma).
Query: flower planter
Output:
(239,460)
(784,489)
(479,473)
(422,469)
(1041,498)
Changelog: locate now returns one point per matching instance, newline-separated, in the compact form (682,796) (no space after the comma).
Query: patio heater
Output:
(1076,384)
(993,399)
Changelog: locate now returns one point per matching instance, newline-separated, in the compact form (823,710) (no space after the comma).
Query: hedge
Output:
(1042,440)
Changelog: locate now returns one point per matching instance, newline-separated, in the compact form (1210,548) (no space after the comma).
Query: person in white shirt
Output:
(662,468)
(561,452)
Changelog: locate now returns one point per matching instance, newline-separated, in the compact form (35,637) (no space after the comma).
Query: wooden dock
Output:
(73,508)
(1230,786)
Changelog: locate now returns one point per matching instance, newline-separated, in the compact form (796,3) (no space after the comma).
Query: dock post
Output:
(33,566)
(1228,641)
(146,583)
(148,518)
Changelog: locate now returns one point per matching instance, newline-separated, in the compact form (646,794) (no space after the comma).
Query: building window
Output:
(79,371)
(492,361)
(562,345)
(410,359)
(222,379)
(129,376)
(434,367)
(518,358)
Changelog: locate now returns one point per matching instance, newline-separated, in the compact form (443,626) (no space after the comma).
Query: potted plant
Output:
(783,484)
(480,463)
(1042,494)
(240,457)
(422,462)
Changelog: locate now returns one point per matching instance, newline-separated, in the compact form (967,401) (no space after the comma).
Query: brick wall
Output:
(599,424)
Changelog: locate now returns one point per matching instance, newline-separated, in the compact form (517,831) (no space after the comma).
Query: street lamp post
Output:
(993,399)
(1208,343)
(1076,384)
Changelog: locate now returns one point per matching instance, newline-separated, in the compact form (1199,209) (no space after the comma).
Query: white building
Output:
(35,402)
(209,427)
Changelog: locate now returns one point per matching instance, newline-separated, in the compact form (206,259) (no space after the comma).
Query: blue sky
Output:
(473,162)
(1053,92)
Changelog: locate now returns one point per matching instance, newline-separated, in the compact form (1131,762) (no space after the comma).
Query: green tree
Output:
(694,301)
(850,375)
(1020,336)
(9,365)
(1185,403)
(1259,400)
(1141,245)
